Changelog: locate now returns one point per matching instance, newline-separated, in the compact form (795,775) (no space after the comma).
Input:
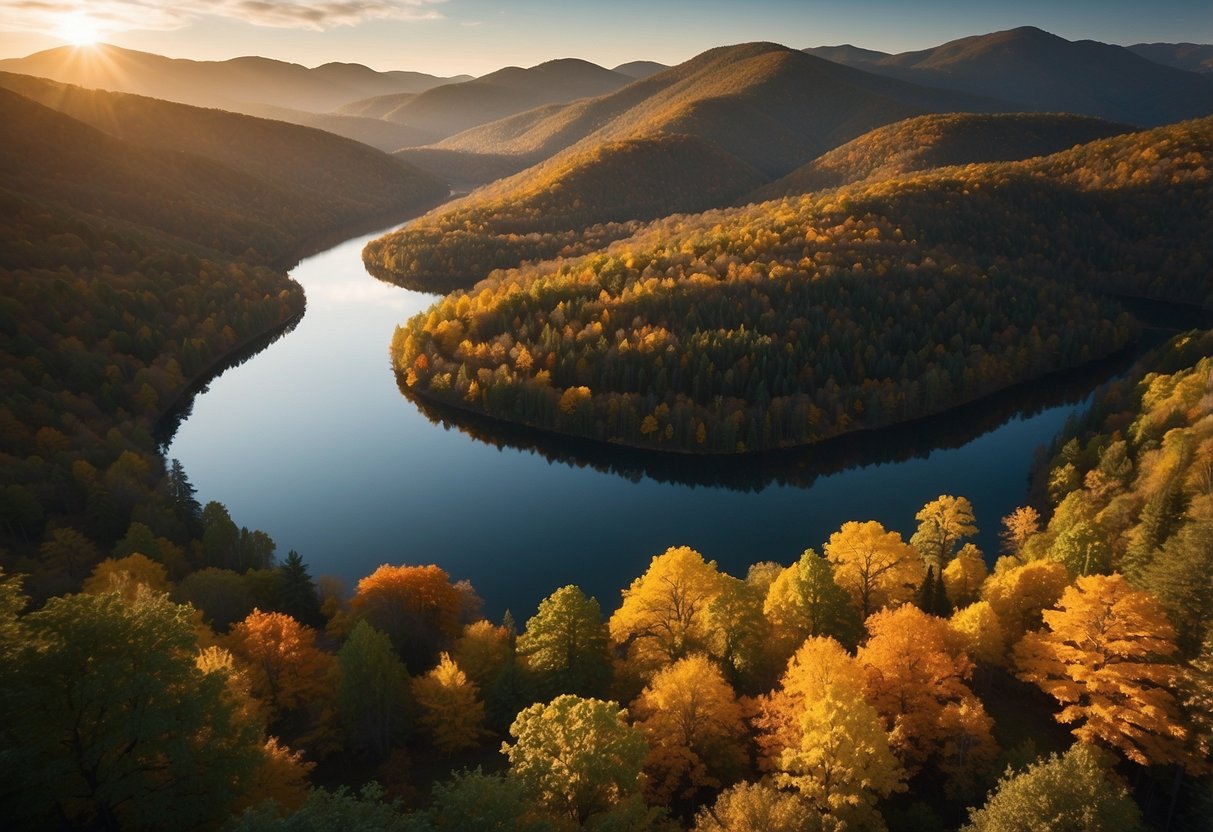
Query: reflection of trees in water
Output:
(798,466)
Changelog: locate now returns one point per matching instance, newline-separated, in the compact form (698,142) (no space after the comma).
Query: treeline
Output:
(563,208)
(881,683)
(788,322)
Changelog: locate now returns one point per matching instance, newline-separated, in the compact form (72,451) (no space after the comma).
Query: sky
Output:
(448,37)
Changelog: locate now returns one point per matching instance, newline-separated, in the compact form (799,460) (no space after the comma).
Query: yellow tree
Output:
(875,566)
(1018,595)
(693,723)
(963,577)
(664,613)
(286,669)
(942,524)
(820,665)
(451,710)
(979,630)
(1104,655)
(1018,527)
(915,674)
(126,575)
(757,806)
(483,651)
(843,765)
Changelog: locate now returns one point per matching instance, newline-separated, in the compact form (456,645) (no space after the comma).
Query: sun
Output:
(78,29)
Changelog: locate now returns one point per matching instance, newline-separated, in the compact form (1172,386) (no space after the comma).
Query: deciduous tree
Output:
(126,575)
(915,674)
(1105,656)
(286,668)
(806,601)
(1018,595)
(664,613)
(416,606)
(576,757)
(451,710)
(1076,792)
(942,524)
(693,724)
(875,566)
(963,577)
(565,643)
(758,806)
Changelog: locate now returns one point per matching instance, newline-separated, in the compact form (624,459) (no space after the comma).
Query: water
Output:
(312,442)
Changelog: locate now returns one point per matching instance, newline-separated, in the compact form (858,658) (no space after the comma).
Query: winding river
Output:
(311,441)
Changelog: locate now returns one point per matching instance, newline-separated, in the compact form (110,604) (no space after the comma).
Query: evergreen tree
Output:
(298,596)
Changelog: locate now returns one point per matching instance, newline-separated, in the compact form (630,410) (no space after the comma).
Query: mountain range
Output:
(1036,70)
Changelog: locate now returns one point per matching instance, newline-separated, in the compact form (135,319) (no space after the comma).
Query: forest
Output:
(788,322)
(887,679)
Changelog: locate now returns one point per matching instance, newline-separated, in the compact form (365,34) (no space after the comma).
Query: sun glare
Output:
(78,29)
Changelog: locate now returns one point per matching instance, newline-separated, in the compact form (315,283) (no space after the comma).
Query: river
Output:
(312,442)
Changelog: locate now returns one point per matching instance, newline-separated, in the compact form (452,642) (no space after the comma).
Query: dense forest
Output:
(788,322)
(119,296)
(880,681)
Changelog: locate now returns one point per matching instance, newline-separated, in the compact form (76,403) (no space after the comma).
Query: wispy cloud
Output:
(120,15)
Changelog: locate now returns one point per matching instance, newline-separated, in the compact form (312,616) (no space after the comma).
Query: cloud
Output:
(121,15)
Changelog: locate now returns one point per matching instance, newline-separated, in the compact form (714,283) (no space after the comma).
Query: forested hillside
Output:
(756,106)
(936,141)
(788,322)
(128,273)
(330,181)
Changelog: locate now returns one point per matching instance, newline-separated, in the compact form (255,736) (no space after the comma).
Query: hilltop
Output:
(228,85)
(759,107)
(934,141)
(787,322)
(1040,71)
(332,181)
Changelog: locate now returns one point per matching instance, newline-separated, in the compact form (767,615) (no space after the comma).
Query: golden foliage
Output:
(875,566)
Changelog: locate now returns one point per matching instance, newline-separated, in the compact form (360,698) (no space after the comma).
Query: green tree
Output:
(1082,549)
(576,757)
(758,806)
(297,591)
(473,800)
(372,691)
(805,601)
(220,595)
(1181,578)
(565,644)
(119,728)
(1076,792)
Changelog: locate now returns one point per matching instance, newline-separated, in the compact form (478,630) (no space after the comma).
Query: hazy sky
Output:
(475,36)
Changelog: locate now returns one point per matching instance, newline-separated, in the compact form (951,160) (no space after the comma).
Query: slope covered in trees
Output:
(329,181)
(936,141)
(1040,71)
(571,205)
(1194,57)
(128,273)
(786,323)
(758,105)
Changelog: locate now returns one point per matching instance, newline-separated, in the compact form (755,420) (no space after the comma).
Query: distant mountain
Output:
(452,108)
(1040,71)
(319,180)
(1194,57)
(225,84)
(758,107)
(769,105)
(935,141)
(640,69)
(847,54)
